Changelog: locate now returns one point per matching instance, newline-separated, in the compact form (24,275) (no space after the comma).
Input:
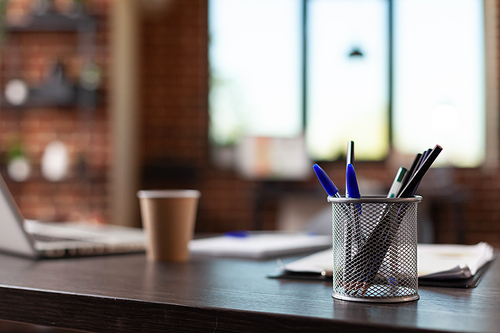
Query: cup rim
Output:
(147,194)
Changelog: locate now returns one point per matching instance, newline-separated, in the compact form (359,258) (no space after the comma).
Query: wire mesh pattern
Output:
(375,249)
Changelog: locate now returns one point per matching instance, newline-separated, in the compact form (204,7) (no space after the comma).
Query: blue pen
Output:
(327,183)
(351,182)
(352,185)
(237,233)
(349,158)
(353,192)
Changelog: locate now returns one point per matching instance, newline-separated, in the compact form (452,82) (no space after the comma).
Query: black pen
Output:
(412,185)
(381,238)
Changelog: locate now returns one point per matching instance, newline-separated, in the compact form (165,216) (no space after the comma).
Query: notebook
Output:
(259,244)
(35,240)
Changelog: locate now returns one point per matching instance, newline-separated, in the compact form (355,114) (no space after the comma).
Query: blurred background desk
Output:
(128,294)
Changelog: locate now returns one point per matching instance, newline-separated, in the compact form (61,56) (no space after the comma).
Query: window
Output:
(255,62)
(439,79)
(347,78)
(402,74)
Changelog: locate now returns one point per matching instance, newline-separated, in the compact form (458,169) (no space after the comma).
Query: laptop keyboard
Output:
(47,238)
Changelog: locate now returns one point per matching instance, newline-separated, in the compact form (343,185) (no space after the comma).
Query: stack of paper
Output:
(452,261)
(435,261)
(257,245)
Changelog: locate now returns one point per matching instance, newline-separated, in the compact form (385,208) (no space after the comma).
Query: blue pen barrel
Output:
(375,252)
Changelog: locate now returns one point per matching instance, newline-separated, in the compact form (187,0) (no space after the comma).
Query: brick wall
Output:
(83,194)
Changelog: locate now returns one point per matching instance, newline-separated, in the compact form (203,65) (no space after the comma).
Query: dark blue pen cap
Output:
(352,183)
(327,183)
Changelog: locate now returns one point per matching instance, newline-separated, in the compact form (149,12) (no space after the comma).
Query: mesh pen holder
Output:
(375,249)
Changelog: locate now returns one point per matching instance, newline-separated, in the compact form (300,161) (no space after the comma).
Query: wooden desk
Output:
(126,293)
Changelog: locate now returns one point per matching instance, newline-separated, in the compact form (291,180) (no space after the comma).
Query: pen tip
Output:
(317,168)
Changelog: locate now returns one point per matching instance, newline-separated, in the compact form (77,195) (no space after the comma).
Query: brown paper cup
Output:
(168,219)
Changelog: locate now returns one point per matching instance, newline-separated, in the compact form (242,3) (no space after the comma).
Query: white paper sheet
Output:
(437,261)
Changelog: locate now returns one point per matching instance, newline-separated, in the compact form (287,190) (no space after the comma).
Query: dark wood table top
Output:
(127,293)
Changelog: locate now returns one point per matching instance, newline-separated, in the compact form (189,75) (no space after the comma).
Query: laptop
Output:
(36,240)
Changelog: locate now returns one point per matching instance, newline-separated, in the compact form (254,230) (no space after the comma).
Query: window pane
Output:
(439,84)
(347,83)
(255,62)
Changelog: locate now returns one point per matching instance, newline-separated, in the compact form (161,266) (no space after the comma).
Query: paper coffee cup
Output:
(168,219)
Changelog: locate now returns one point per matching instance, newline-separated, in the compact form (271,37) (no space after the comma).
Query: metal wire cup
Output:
(375,249)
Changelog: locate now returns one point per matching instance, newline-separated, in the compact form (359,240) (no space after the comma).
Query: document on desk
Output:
(448,261)
(436,262)
(259,245)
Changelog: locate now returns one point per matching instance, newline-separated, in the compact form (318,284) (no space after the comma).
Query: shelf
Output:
(54,22)
(94,177)
(80,98)
(57,90)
